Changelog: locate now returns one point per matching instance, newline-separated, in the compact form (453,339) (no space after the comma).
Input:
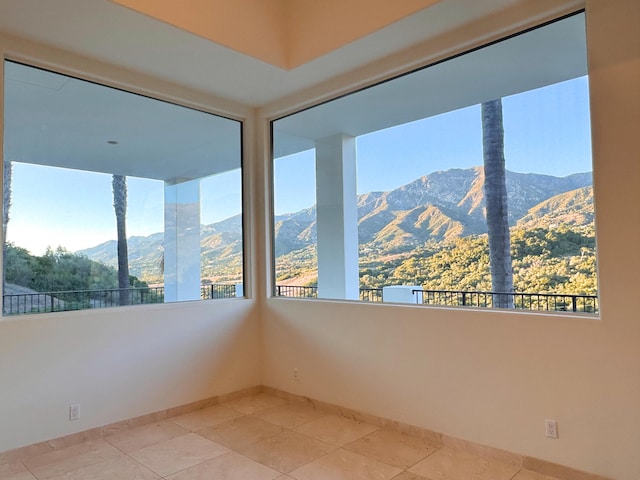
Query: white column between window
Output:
(182,241)
(337,217)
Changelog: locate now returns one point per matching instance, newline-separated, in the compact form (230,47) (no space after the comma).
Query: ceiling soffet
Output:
(283,33)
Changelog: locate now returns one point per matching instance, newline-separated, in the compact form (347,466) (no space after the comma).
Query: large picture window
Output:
(112,198)
(466,183)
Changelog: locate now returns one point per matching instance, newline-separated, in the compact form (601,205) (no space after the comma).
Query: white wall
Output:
(493,377)
(120,363)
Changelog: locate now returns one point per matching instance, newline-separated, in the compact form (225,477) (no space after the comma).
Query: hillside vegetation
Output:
(442,244)
(430,232)
(58,271)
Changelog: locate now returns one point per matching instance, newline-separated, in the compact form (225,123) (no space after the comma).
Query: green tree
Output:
(18,265)
(119,184)
(495,188)
(61,270)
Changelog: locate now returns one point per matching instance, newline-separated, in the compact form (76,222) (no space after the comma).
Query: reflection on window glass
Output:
(467,183)
(115,199)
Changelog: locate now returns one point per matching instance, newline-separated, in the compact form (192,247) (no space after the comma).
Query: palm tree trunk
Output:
(6,205)
(495,187)
(119,185)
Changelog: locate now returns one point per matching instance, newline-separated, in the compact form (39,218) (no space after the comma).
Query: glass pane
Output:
(391,193)
(113,198)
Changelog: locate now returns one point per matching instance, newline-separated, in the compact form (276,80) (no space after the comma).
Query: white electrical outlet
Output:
(74,412)
(551,428)
(296,375)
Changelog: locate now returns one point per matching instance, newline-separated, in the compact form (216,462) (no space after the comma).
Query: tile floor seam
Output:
(116,447)
(143,465)
(520,470)
(421,459)
(47,466)
(317,439)
(264,464)
(288,428)
(404,466)
(187,468)
(244,456)
(28,470)
(234,449)
(289,471)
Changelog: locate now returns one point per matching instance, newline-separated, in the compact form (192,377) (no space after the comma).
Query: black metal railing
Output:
(295,291)
(64,301)
(555,302)
(217,290)
(24,303)
(371,294)
(460,298)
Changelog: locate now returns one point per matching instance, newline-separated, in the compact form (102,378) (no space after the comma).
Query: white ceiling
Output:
(55,120)
(111,33)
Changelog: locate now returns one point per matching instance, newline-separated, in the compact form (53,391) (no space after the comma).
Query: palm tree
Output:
(6,191)
(6,204)
(119,184)
(495,190)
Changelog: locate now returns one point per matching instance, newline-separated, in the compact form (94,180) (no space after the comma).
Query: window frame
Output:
(386,77)
(127,82)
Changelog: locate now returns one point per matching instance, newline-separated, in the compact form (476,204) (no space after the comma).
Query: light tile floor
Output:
(261,437)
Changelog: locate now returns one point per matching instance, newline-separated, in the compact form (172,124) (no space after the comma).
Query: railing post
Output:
(464,299)
(574,302)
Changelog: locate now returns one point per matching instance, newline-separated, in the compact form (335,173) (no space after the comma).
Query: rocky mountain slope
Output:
(439,206)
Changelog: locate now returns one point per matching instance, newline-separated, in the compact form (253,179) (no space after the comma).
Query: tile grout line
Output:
(29,470)
(342,447)
(127,455)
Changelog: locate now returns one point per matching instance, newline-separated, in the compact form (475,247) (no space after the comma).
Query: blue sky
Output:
(546,131)
(57,206)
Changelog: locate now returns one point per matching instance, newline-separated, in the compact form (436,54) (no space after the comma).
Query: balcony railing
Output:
(371,294)
(296,291)
(64,301)
(366,294)
(24,303)
(459,298)
(217,290)
(555,302)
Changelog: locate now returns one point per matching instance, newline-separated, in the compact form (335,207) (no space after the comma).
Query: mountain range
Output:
(440,206)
